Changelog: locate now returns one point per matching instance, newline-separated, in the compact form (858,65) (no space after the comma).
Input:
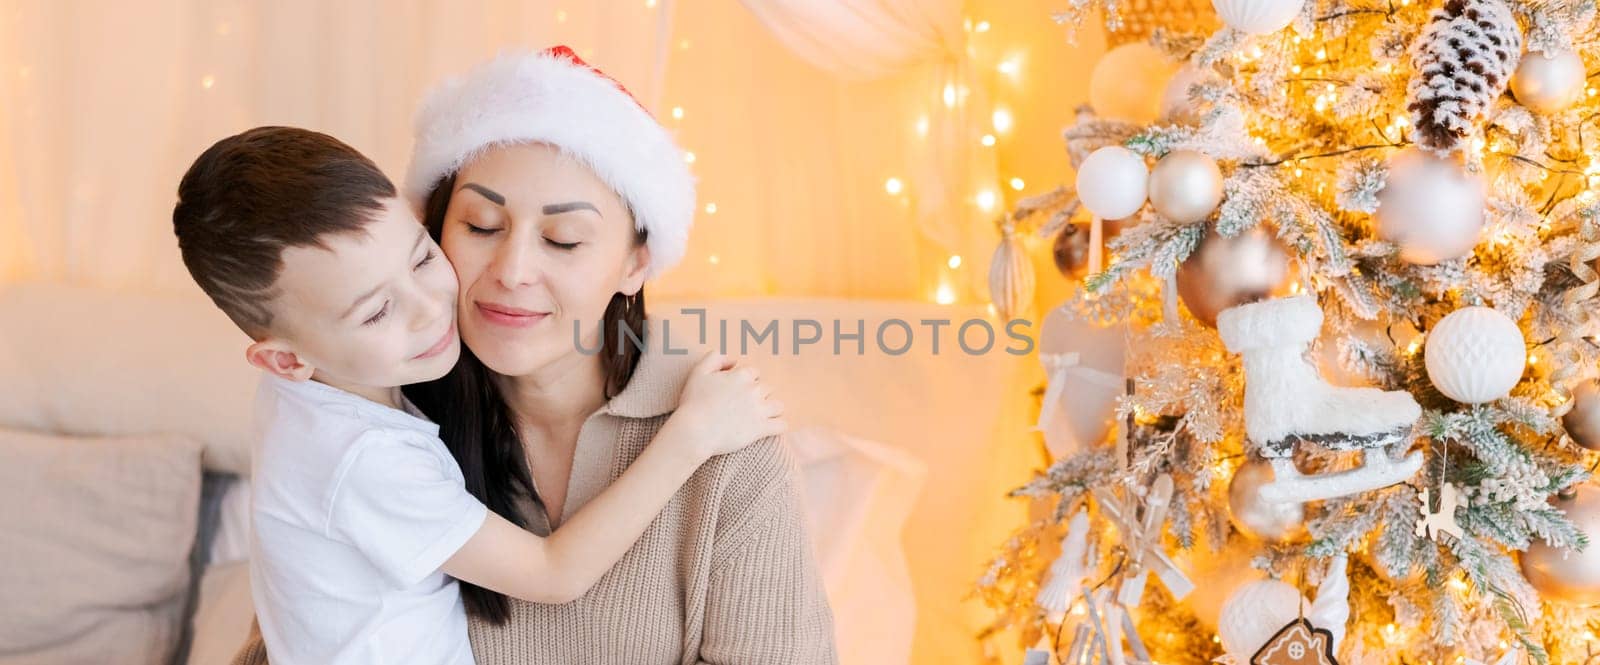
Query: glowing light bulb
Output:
(688,157)
(207,81)
(1010,67)
(982,26)
(922,126)
(677,113)
(987,140)
(945,295)
(1018,184)
(949,94)
(954,262)
(714,260)
(711,208)
(1002,120)
(986,200)
(893,186)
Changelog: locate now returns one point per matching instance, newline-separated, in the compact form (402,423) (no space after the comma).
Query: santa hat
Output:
(554,97)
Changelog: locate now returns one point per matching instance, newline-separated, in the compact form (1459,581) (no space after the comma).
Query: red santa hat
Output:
(554,97)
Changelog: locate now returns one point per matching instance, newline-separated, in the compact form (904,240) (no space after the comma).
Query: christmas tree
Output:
(1353,245)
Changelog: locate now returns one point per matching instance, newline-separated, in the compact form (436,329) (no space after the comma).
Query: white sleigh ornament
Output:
(1286,402)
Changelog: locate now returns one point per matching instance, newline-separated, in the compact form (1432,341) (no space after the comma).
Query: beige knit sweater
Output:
(725,575)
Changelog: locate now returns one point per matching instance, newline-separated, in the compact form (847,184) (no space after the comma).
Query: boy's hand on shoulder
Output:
(724,407)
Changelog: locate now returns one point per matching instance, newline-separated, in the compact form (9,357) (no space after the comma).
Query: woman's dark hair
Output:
(477,424)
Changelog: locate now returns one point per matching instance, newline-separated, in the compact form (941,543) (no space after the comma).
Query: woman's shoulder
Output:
(750,480)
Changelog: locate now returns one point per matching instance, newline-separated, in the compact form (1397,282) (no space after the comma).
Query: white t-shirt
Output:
(355,506)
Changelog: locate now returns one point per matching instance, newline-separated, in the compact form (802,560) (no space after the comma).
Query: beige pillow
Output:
(95,362)
(95,537)
(222,616)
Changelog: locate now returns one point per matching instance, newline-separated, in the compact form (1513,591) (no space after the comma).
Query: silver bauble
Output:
(1256,517)
(1548,83)
(1565,576)
(1226,272)
(1185,186)
(1583,421)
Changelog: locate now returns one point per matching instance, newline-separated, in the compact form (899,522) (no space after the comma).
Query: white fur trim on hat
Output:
(549,98)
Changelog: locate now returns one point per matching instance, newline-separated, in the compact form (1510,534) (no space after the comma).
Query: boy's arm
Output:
(561,568)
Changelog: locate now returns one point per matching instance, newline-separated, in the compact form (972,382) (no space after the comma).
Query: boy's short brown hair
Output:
(252,195)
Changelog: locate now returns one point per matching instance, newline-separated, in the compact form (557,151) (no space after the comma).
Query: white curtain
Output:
(864,39)
(103,104)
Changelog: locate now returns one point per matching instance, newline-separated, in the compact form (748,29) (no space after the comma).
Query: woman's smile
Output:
(505,315)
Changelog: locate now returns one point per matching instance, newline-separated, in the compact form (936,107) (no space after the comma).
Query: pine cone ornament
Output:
(1463,61)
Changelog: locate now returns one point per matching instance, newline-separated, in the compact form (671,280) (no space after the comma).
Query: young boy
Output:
(360,515)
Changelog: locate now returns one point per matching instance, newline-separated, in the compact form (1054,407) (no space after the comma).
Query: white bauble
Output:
(1112,182)
(1475,355)
(1258,17)
(1548,83)
(1255,613)
(1175,102)
(1431,207)
(1185,186)
(1127,83)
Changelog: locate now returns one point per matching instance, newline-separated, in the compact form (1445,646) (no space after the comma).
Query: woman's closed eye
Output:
(476,230)
(565,246)
(432,254)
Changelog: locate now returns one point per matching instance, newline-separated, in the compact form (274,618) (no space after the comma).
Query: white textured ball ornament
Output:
(1256,517)
(1255,613)
(1431,207)
(1185,186)
(1583,421)
(1548,83)
(1258,17)
(1112,182)
(1569,577)
(1475,355)
(1128,81)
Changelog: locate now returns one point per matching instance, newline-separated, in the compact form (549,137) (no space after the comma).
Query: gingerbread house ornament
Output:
(1297,644)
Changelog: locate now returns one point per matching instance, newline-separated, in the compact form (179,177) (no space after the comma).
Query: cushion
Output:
(98,533)
(88,361)
(222,617)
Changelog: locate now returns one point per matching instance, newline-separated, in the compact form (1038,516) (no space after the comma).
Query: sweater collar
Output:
(657,381)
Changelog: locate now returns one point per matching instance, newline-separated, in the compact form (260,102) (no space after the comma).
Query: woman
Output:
(556,196)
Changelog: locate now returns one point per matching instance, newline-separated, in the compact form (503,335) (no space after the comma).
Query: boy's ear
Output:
(275,357)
